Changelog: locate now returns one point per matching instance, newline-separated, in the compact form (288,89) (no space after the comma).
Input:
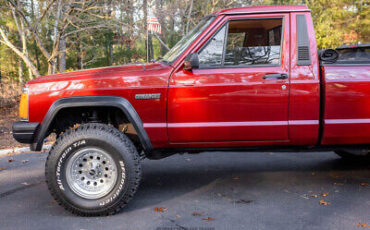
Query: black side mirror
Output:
(191,62)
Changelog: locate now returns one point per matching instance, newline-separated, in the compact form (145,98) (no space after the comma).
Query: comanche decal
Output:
(147,96)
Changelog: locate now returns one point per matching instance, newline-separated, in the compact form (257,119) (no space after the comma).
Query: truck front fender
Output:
(89,101)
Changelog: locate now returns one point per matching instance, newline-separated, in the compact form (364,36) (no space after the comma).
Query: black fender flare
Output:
(88,101)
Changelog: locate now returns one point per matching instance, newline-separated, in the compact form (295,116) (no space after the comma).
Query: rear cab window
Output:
(346,55)
(354,54)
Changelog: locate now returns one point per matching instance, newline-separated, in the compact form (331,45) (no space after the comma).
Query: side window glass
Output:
(253,42)
(211,54)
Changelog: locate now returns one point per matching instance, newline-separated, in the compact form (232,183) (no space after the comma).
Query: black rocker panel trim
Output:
(88,101)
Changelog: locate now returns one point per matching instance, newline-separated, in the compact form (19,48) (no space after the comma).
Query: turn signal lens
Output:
(23,106)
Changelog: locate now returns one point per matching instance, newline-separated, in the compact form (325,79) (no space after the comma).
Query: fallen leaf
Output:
(322,202)
(159,209)
(305,196)
(197,213)
(243,201)
(324,194)
(314,195)
(338,184)
(208,219)
(364,184)
(334,175)
(362,225)
(178,216)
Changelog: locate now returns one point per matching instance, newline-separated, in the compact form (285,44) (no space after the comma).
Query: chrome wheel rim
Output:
(91,173)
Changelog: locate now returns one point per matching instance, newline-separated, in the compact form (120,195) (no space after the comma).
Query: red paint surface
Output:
(230,107)
(347,105)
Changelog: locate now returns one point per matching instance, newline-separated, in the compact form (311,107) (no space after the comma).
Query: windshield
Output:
(180,47)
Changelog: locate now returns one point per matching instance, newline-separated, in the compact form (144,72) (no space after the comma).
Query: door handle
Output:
(275,76)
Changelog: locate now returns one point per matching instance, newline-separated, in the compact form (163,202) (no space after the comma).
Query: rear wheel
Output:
(93,170)
(354,155)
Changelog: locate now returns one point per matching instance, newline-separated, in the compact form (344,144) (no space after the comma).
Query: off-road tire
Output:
(348,156)
(123,153)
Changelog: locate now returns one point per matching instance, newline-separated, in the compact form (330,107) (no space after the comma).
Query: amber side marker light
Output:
(23,106)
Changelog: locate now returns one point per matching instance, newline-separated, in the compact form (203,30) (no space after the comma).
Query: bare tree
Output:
(67,17)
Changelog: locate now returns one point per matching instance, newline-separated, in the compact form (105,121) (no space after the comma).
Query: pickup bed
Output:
(244,79)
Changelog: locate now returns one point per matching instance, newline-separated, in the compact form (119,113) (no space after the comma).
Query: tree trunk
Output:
(111,57)
(0,72)
(162,37)
(150,43)
(52,66)
(24,46)
(62,55)
(145,9)
(189,16)
(21,44)
(20,71)
(79,53)
(34,42)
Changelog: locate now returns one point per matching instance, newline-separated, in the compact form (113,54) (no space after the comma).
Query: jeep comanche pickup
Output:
(243,79)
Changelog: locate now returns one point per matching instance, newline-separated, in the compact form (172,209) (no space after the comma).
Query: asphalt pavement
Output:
(208,191)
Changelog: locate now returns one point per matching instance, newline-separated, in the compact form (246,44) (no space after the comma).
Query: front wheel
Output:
(93,170)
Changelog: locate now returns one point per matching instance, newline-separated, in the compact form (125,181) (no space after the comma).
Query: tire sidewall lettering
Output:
(63,157)
(120,187)
(62,182)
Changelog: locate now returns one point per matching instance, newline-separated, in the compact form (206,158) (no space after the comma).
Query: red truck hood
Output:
(125,70)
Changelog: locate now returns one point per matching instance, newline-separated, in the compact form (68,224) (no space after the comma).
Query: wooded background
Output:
(39,37)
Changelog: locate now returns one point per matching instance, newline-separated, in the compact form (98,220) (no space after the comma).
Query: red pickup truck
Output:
(243,79)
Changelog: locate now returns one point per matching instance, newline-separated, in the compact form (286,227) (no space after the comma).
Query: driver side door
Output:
(240,92)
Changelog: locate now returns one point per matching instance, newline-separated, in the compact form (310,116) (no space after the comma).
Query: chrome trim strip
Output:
(231,124)
(255,123)
(227,124)
(347,121)
(155,125)
(304,122)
